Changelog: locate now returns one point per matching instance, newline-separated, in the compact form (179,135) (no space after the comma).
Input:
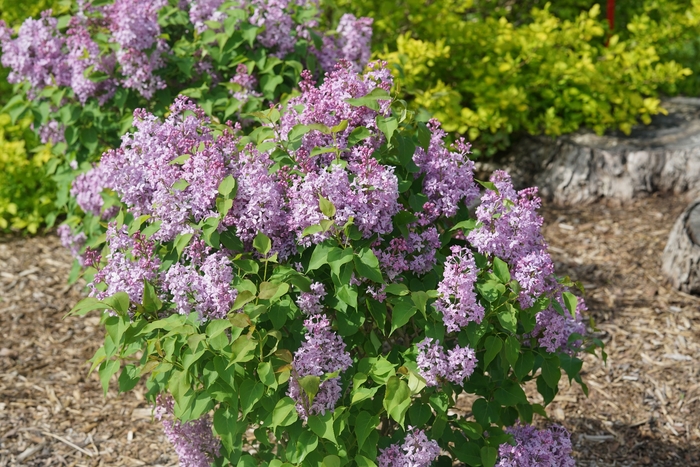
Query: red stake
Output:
(611,14)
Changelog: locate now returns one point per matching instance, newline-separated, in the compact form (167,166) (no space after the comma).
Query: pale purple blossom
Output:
(247,83)
(322,352)
(202,11)
(352,42)
(554,329)
(415,253)
(310,302)
(416,451)
(193,441)
(458,301)
(51,132)
(537,448)
(434,365)
(74,242)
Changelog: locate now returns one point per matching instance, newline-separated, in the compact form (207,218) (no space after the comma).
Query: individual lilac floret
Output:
(194,441)
(310,302)
(448,175)
(416,451)
(322,352)
(458,302)
(36,55)
(131,261)
(434,364)
(537,448)
(204,285)
(510,228)
(73,242)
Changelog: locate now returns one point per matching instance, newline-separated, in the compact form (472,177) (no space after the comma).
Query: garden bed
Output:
(643,409)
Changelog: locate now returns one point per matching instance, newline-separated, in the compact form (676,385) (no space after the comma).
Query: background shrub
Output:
(494,69)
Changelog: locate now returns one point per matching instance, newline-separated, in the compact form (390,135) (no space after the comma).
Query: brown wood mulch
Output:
(643,408)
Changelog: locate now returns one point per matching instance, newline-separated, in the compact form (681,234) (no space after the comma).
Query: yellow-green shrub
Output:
(482,75)
(25,191)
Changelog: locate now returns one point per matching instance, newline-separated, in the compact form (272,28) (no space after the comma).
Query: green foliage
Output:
(489,72)
(26,195)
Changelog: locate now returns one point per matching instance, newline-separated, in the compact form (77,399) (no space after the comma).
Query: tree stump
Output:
(582,167)
(681,257)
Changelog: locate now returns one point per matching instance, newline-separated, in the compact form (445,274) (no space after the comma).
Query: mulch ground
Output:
(643,408)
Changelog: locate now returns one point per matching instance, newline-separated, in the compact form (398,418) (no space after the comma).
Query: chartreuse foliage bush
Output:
(80,73)
(484,75)
(318,292)
(26,197)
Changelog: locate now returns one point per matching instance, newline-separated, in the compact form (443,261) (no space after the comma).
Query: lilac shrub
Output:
(317,280)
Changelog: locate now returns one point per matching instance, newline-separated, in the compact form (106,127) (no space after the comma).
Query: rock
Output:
(681,257)
(582,167)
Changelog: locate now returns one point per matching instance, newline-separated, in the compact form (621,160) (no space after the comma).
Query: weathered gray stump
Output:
(582,167)
(681,257)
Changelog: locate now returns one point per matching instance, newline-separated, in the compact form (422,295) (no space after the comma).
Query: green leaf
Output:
(331,461)
(319,257)
(419,414)
(397,289)
(510,394)
(512,348)
(118,302)
(227,187)
(489,455)
(500,268)
(250,393)
(272,290)
(180,159)
(387,125)
(262,243)
(151,300)
(180,185)
(310,384)
(342,126)
(327,208)
(242,298)
(493,345)
(129,378)
(401,313)
(367,265)
(551,371)
(284,413)
(490,290)
(322,425)
(181,241)
(370,100)
(545,390)
(365,424)
(397,399)
(297,132)
(571,303)
(242,349)
(508,317)
(85,306)
(525,364)
(358,134)
(106,371)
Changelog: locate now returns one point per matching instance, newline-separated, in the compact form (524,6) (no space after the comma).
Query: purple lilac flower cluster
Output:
(458,302)
(44,56)
(510,228)
(202,11)
(87,188)
(321,353)
(537,448)
(193,441)
(449,175)
(146,173)
(203,285)
(352,43)
(74,242)
(310,302)
(131,261)
(415,253)
(434,364)
(247,82)
(51,133)
(416,451)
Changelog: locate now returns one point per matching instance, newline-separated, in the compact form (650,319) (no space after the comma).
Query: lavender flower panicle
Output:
(416,451)
(537,448)
(193,441)
(322,352)
(456,366)
(458,301)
